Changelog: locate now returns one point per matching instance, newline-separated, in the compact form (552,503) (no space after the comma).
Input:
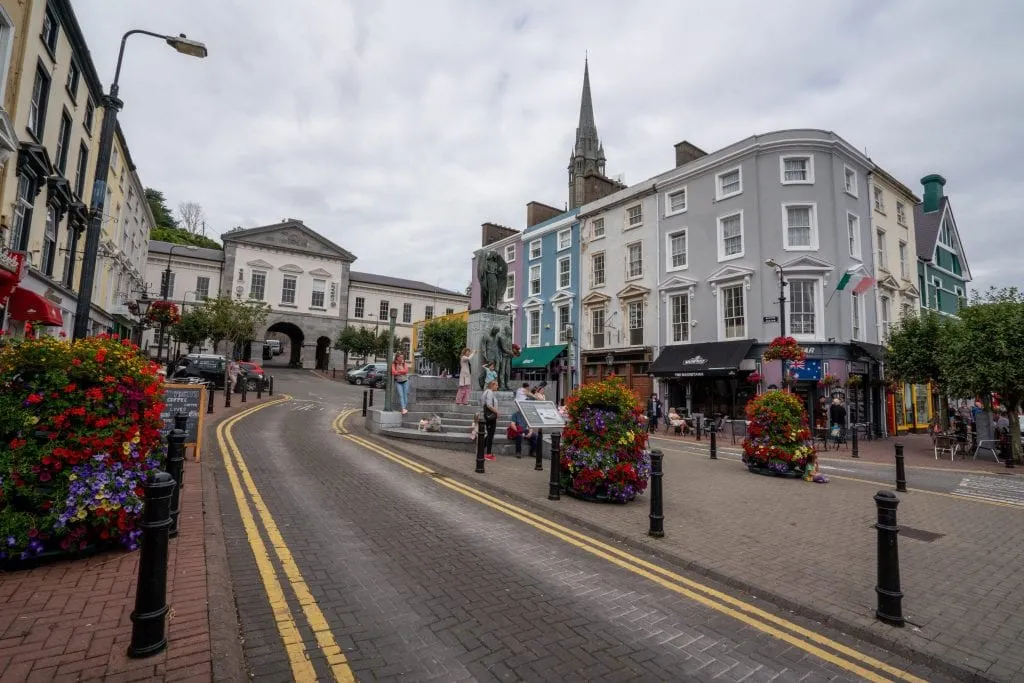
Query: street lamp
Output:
(782,295)
(165,292)
(111,105)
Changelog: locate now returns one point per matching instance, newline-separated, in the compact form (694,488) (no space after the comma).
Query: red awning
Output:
(29,307)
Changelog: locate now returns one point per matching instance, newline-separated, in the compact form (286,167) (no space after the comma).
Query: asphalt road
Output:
(344,560)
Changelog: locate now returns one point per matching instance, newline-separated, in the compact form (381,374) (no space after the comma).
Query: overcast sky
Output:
(396,128)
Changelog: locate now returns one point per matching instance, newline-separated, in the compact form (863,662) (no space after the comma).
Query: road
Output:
(347,562)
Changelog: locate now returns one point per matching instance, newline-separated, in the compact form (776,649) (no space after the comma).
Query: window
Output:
(675,202)
(857,303)
(258,285)
(63,143)
(728,183)
(383,309)
(288,283)
(853,235)
(428,313)
(734,319)
(564,239)
(634,260)
(803,308)
(634,216)
(49,240)
(535,249)
(730,236)
(801,226)
(564,272)
(636,323)
(676,250)
(535,280)
(883,257)
(597,228)
(946,234)
(597,328)
(90,110)
(37,105)
(797,170)
(879,200)
(904,270)
(679,318)
(449,311)
(937,288)
(901,213)
(316,296)
(533,327)
(72,83)
(202,288)
(167,284)
(360,307)
(407,312)
(563,322)
(597,269)
(510,253)
(22,215)
(851,180)
(886,306)
(51,27)
(960,300)
(510,287)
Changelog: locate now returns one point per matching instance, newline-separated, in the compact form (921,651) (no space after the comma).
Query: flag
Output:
(864,285)
(843,281)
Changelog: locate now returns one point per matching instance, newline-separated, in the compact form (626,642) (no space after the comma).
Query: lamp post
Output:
(165,292)
(392,317)
(111,105)
(782,295)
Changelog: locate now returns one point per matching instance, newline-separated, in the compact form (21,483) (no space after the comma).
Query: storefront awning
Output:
(536,357)
(710,359)
(27,306)
(875,351)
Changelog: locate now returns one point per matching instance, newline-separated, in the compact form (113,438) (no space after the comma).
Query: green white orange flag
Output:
(864,283)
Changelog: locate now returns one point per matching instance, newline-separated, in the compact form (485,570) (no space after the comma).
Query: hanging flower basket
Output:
(785,348)
(779,439)
(163,313)
(854,381)
(755,377)
(828,381)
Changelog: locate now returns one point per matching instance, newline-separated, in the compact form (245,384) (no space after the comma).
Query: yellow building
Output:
(417,337)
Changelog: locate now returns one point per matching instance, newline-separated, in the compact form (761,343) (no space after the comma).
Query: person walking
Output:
(465,377)
(837,420)
(490,406)
(400,373)
(653,413)
(233,371)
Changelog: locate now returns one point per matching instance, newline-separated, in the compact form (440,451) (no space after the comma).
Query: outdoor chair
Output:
(944,444)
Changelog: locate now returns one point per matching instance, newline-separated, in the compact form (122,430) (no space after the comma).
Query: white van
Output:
(274,345)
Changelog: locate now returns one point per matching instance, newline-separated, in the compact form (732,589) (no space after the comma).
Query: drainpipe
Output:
(657,346)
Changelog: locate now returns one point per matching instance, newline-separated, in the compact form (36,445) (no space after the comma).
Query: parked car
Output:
(253,374)
(208,367)
(376,378)
(358,376)
(275,346)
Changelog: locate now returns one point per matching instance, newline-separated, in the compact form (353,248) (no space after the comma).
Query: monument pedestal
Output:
(479,326)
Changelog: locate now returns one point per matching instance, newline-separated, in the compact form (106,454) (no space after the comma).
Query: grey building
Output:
(788,211)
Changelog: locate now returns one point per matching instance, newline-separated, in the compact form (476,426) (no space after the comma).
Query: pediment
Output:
(889,282)
(289,235)
(677,282)
(911,290)
(259,263)
(290,268)
(730,273)
(596,299)
(320,272)
(632,292)
(563,295)
(807,263)
(532,302)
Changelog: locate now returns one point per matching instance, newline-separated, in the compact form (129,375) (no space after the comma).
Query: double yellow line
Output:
(241,483)
(816,644)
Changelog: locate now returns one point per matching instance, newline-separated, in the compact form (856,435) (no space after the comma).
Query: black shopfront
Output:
(707,378)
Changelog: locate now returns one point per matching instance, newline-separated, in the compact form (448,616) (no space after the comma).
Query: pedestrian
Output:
(233,371)
(653,413)
(523,393)
(811,471)
(837,419)
(489,403)
(400,373)
(490,374)
(465,377)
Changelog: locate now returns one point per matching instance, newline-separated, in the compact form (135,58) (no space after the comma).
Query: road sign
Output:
(770,319)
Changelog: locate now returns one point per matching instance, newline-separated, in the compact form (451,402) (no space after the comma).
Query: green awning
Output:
(536,357)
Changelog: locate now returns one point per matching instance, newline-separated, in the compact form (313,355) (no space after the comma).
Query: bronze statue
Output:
(492,274)
(488,354)
(504,344)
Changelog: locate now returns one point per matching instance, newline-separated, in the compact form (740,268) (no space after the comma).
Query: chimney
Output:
(492,232)
(932,192)
(686,152)
(536,212)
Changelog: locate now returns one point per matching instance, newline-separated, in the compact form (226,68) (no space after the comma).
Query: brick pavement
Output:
(70,621)
(811,548)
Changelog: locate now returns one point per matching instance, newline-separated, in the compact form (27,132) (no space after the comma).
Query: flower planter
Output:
(13,564)
(595,498)
(769,472)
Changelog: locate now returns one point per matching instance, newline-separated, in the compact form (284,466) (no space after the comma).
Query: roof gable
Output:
(290,235)
(596,298)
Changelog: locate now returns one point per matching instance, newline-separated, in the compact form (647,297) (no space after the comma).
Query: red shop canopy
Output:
(29,307)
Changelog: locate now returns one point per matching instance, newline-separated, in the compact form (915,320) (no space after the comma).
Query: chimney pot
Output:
(933,185)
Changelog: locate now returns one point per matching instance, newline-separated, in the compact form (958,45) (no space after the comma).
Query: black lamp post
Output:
(111,105)
(165,292)
(782,295)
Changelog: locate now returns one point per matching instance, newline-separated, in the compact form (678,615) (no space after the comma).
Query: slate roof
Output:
(926,229)
(158,247)
(400,283)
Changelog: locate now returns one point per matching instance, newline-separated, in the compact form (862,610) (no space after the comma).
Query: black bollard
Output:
(259,387)
(176,468)
(149,625)
(890,599)
(854,451)
(555,480)
(371,397)
(657,508)
(696,427)
(271,387)
(227,393)
(481,436)
(181,421)
(713,431)
(334,373)
(364,403)
(245,389)
(901,472)
(1007,450)
(538,452)
(209,398)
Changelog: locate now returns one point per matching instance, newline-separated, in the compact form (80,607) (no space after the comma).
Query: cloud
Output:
(397,128)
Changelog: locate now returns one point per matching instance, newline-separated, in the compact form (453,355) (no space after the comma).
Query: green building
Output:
(942,271)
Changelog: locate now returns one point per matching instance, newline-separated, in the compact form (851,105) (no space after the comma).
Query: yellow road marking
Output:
(698,592)
(336,660)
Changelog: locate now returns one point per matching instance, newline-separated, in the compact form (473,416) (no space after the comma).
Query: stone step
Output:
(452,441)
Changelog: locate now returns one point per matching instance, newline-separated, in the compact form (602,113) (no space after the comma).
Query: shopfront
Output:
(631,365)
(536,364)
(707,378)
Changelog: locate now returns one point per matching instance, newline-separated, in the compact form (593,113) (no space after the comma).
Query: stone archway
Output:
(295,340)
(323,353)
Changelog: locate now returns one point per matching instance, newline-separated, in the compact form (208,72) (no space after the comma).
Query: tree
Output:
(443,341)
(367,342)
(162,216)
(347,342)
(914,354)
(234,320)
(193,328)
(191,218)
(182,236)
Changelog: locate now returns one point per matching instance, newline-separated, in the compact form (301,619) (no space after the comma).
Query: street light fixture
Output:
(771,263)
(111,105)
(165,292)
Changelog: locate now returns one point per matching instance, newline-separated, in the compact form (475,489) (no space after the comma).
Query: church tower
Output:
(587,180)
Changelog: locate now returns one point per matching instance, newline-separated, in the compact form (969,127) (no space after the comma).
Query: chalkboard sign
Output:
(541,414)
(189,399)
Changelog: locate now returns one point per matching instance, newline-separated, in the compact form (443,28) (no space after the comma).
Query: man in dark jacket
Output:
(836,419)
(653,413)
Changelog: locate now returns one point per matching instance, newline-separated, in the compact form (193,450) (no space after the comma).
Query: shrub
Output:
(604,443)
(79,432)
(778,435)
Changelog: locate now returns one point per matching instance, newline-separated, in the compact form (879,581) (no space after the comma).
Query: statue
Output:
(492,274)
(488,354)
(504,341)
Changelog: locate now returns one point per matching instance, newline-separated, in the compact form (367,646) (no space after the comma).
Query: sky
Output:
(395,128)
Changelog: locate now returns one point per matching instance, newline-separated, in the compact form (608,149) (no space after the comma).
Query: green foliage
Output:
(194,328)
(913,348)
(234,320)
(358,341)
(182,236)
(983,351)
(162,216)
(443,341)
(779,437)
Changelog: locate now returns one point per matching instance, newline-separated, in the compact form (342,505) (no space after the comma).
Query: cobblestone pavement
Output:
(416,580)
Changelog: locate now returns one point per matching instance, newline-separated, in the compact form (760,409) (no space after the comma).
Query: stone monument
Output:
(486,332)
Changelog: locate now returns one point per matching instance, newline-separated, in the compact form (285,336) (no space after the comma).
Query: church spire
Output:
(587,158)
(586,124)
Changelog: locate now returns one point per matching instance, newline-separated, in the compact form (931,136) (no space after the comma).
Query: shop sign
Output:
(696,360)
(12,262)
(858,368)
(687,374)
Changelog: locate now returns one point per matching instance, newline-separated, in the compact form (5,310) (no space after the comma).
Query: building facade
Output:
(195,275)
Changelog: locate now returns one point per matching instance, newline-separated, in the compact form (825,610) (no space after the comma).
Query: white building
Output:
(195,274)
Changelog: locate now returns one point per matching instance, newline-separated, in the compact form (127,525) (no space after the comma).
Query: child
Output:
(474,429)
(811,472)
(490,374)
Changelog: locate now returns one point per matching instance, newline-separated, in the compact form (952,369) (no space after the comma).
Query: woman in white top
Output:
(465,377)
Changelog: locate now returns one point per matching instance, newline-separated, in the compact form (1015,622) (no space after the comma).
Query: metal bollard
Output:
(227,394)
(364,404)
(696,427)
(890,599)
(271,387)
(901,472)
(149,625)
(555,480)
(854,451)
(1007,448)
(181,421)
(714,442)
(176,468)
(245,389)
(209,398)
(481,435)
(538,452)
(259,387)
(371,397)
(657,507)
